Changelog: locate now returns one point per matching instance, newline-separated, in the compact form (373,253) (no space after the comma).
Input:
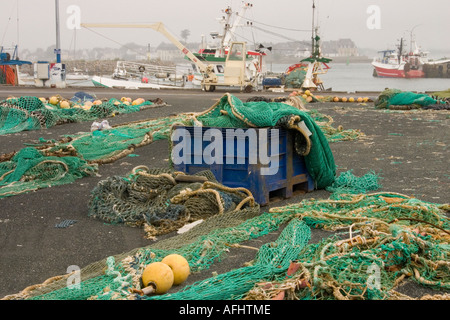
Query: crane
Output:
(234,67)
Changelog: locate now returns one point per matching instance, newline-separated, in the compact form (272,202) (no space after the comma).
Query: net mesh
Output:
(390,98)
(157,200)
(378,240)
(31,113)
(31,169)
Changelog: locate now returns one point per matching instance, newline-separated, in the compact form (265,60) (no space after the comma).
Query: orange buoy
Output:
(157,278)
(53,100)
(179,266)
(64,104)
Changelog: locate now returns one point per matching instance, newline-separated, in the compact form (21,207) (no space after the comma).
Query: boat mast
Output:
(312,29)
(228,12)
(58,45)
(400,50)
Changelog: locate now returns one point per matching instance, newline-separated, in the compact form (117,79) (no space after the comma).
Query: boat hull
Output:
(127,84)
(396,71)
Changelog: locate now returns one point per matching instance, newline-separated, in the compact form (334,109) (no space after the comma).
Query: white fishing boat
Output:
(215,52)
(136,75)
(139,75)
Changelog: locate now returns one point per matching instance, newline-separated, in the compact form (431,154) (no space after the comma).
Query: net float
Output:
(138,101)
(64,104)
(180,267)
(157,278)
(53,100)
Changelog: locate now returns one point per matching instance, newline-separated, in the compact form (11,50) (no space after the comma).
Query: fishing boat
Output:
(400,64)
(138,75)
(215,52)
(10,67)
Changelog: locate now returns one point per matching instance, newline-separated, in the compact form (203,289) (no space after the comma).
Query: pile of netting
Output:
(347,182)
(163,201)
(377,241)
(31,169)
(405,100)
(31,113)
(325,122)
(380,240)
(87,150)
(309,140)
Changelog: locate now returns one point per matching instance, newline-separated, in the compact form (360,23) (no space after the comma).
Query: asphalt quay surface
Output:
(408,149)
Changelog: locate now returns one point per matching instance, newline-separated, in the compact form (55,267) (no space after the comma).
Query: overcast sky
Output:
(430,21)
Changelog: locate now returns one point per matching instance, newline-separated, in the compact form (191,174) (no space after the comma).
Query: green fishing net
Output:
(30,169)
(161,201)
(395,97)
(30,113)
(377,241)
(295,78)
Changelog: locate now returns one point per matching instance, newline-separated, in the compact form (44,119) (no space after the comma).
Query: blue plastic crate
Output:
(240,160)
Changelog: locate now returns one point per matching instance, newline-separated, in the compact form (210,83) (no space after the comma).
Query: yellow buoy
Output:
(64,104)
(351,99)
(304,96)
(344,99)
(97,102)
(53,100)
(365,99)
(157,278)
(87,105)
(309,99)
(307,92)
(179,266)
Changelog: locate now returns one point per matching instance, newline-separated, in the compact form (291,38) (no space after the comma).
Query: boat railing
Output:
(144,69)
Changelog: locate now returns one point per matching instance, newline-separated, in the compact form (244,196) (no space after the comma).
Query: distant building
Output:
(339,48)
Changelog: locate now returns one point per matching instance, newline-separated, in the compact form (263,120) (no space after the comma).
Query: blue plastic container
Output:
(258,159)
(271,82)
